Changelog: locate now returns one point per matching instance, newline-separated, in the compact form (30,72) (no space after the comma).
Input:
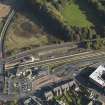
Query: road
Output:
(67,58)
(48,54)
(46,48)
(2,37)
(71,58)
(40,51)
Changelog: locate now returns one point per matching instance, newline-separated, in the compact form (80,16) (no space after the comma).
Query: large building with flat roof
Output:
(98,76)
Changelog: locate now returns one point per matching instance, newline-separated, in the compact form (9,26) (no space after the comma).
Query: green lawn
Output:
(74,16)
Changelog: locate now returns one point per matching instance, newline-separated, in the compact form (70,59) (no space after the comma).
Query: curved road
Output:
(2,37)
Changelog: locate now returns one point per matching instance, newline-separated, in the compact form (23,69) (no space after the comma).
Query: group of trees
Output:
(51,18)
(87,37)
(51,7)
(59,4)
(54,21)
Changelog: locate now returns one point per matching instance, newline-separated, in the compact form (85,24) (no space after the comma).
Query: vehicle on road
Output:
(29,59)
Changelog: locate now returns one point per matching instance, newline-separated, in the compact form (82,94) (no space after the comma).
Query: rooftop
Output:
(97,75)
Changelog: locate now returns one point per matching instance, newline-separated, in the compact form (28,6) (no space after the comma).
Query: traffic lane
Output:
(1,56)
(52,58)
(95,61)
(49,56)
(47,48)
(68,58)
(44,48)
(60,54)
(2,35)
(18,58)
(36,54)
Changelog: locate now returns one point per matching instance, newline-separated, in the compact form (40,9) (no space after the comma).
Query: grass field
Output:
(25,34)
(74,16)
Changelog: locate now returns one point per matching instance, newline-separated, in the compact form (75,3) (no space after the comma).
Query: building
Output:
(98,76)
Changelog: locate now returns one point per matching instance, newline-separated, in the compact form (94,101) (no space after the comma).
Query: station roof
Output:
(97,75)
